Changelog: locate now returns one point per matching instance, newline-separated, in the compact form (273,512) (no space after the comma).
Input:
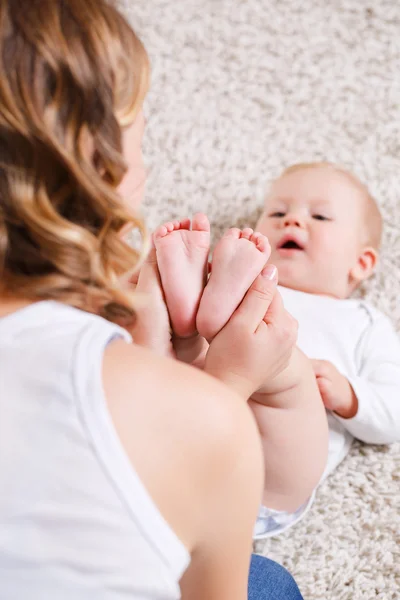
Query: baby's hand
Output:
(336,391)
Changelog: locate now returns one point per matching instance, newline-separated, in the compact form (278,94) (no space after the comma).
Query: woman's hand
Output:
(152,327)
(256,344)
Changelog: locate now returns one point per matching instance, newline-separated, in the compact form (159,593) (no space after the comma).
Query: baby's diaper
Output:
(274,522)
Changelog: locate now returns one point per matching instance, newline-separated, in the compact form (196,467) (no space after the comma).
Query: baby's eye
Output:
(277,214)
(320,218)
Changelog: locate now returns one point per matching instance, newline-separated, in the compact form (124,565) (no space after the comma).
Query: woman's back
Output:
(75,518)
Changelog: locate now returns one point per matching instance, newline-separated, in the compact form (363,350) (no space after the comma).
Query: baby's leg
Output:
(238,259)
(294,432)
(182,255)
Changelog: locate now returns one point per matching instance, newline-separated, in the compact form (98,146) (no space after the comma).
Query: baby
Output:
(324,230)
(288,409)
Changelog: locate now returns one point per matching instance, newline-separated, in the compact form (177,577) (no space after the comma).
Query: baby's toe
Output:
(200,222)
(246,233)
(261,242)
(233,232)
(160,232)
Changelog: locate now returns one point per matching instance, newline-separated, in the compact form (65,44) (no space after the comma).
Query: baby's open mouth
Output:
(289,244)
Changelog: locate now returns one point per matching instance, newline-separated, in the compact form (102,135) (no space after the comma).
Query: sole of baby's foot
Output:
(182,249)
(238,259)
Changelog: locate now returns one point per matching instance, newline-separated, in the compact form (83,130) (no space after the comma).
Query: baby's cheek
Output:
(260,227)
(265,227)
(330,243)
(327,255)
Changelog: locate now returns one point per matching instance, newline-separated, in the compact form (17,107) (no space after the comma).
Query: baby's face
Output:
(314,221)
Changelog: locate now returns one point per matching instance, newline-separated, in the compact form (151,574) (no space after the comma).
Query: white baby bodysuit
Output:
(363,345)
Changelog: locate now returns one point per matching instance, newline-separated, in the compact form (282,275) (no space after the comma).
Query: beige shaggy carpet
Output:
(242,88)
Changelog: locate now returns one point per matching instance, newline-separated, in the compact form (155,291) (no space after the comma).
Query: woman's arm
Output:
(194,443)
(196,448)
(221,557)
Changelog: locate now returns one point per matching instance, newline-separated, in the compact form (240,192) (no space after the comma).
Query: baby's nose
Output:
(293,220)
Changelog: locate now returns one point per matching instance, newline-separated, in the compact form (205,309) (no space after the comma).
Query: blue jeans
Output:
(270,581)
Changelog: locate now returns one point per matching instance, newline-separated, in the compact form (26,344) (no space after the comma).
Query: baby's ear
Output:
(365,265)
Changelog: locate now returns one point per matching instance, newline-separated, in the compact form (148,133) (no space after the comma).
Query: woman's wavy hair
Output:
(73,75)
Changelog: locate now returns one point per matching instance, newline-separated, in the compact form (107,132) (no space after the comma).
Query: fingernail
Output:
(270,272)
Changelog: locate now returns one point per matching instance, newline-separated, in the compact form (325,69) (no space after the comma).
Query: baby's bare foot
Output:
(182,256)
(238,259)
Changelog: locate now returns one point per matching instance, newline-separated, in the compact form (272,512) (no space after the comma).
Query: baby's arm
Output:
(292,422)
(373,407)
(336,391)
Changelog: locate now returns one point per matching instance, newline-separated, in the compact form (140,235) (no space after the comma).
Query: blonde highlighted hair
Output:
(373,217)
(73,74)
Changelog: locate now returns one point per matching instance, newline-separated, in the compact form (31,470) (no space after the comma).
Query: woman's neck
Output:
(9,304)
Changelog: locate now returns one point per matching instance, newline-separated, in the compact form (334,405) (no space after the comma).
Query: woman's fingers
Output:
(258,299)
(275,309)
(149,278)
(285,325)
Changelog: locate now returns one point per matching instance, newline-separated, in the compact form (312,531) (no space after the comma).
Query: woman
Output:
(121,471)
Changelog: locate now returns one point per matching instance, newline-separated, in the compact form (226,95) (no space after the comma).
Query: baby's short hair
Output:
(373,217)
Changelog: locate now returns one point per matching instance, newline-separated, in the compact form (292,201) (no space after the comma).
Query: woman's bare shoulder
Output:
(180,428)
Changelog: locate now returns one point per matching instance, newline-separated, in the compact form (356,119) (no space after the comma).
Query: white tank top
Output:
(75,520)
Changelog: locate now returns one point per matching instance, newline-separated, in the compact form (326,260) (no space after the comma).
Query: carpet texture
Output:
(242,88)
